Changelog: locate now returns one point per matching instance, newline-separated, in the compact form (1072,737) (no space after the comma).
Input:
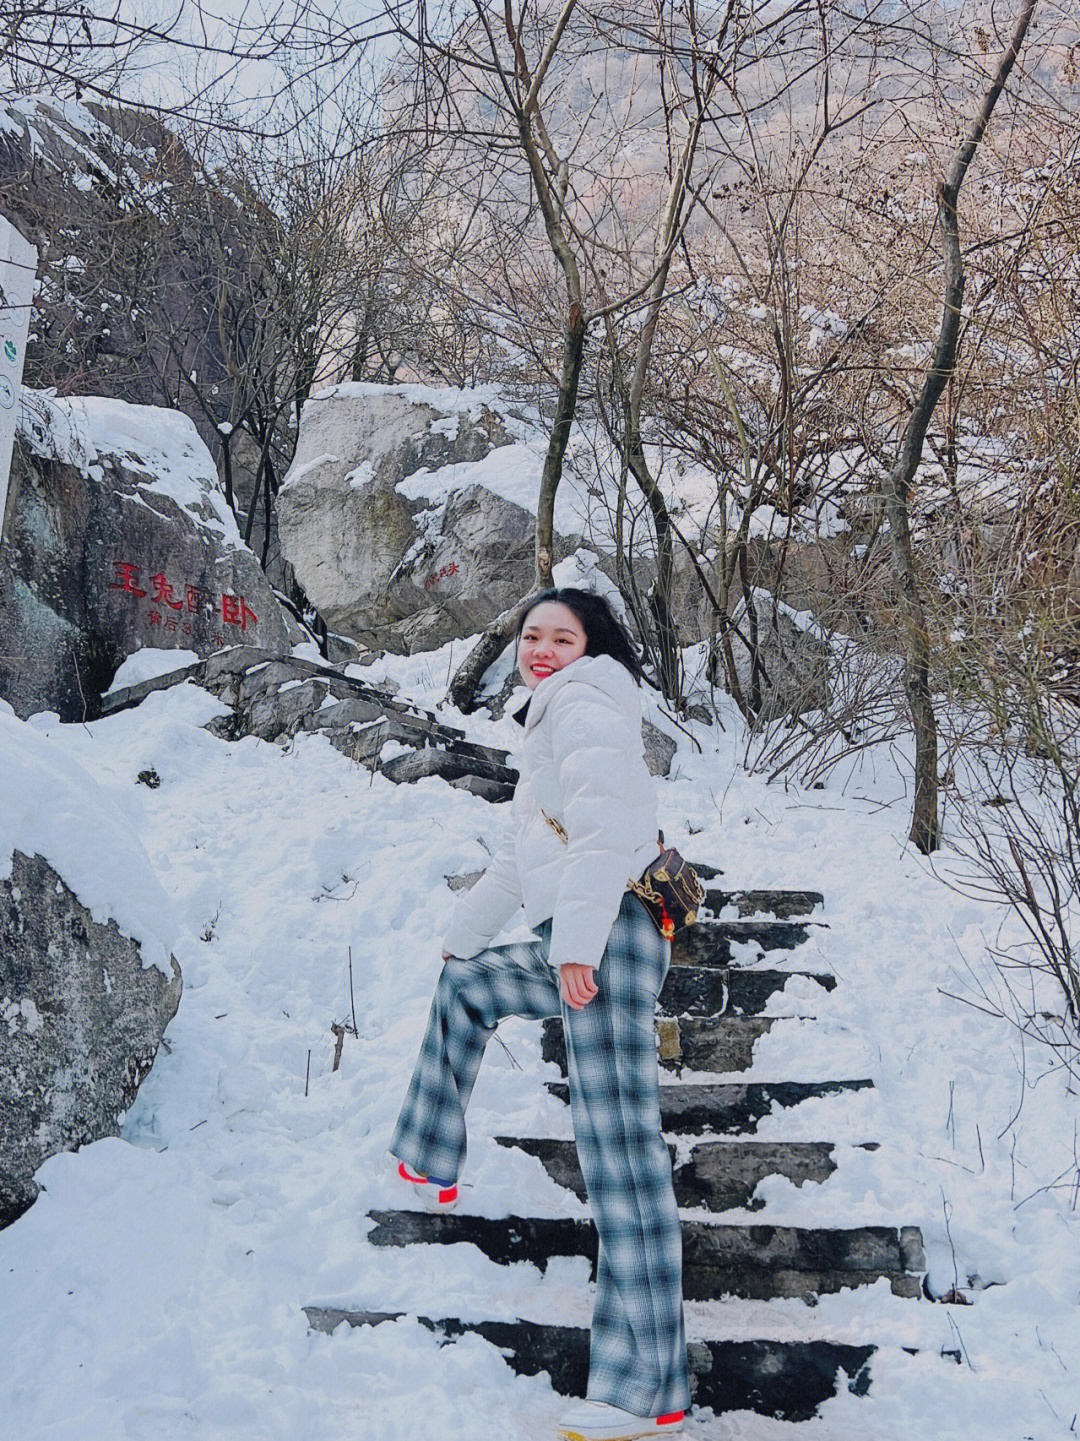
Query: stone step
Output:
(461,764)
(368,721)
(755,1262)
(714,943)
(783,905)
(730,1107)
(719,1176)
(787,1380)
(783,931)
(696,1043)
(717,991)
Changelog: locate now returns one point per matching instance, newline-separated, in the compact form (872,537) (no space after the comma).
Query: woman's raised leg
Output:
(471,998)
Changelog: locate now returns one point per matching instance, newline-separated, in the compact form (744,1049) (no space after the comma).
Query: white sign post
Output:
(18,267)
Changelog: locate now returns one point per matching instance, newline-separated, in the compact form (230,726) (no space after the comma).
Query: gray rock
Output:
(81,1020)
(342,651)
(659,749)
(125,289)
(392,572)
(793,672)
(103,558)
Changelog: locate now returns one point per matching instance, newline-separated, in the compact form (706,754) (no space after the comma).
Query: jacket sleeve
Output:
(482,912)
(595,744)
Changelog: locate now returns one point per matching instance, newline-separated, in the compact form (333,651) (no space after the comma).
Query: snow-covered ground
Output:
(155,1289)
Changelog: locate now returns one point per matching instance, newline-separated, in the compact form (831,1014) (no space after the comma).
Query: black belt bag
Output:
(668,887)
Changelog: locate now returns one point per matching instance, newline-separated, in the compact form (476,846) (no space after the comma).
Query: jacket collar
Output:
(602,671)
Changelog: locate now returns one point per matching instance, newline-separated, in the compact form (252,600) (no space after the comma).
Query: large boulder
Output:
(87,980)
(81,1020)
(791,674)
(395,515)
(119,538)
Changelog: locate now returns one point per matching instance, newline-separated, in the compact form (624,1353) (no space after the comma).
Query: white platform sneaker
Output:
(598,1421)
(432,1194)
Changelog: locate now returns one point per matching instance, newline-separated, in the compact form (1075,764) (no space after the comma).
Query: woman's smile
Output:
(551,638)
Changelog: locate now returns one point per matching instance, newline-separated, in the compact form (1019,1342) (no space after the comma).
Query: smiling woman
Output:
(599,961)
(551,638)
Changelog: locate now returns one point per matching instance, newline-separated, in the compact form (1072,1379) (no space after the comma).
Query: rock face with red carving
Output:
(397,513)
(119,538)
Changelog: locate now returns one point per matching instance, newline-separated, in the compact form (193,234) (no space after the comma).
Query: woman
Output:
(600,961)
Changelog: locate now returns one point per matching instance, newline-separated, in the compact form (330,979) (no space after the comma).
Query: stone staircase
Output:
(724,974)
(717,1007)
(275,696)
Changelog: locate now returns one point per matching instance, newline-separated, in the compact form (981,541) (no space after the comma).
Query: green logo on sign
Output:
(9,349)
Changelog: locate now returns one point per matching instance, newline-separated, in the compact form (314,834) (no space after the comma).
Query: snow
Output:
(147,663)
(299,471)
(837,480)
(161,1277)
(161,446)
(21,1013)
(469,400)
(55,807)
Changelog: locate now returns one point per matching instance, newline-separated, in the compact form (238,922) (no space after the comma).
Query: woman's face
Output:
(551,638)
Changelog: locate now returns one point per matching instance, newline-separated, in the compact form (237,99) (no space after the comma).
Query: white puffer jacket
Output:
(582,761)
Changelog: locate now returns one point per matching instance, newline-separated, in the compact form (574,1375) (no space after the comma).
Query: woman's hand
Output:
(577,985)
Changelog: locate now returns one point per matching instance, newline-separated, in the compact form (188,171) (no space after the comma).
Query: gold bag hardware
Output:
(668,887)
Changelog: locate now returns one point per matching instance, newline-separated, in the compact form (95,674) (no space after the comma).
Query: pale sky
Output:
(204,54)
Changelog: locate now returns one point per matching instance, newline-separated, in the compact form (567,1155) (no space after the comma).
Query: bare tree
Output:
(925,822)
(183,62)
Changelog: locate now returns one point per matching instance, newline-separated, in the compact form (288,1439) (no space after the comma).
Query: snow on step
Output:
(783,905)
(736,990)
(717,1047)
(742,942)
(732,1107)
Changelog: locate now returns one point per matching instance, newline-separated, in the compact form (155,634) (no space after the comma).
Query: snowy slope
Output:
(155,1289)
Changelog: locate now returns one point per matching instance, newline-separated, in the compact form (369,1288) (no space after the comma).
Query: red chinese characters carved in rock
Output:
(163,593)
(236,611)
(193,601)
(127,578)
(451,569)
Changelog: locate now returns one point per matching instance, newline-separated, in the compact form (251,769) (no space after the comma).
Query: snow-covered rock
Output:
(87,981)
(120,539)
(397,515)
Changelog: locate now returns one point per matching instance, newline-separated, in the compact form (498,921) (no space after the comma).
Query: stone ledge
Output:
(275,696)
(787,1380)
(752,1262)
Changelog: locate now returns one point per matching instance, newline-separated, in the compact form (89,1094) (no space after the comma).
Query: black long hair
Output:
(604,633)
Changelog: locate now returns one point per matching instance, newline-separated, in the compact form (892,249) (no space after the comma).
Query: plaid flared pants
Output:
(637,1350)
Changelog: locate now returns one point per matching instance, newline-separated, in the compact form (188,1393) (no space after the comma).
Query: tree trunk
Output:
(485,652)
(925,824)
(667,635)
(226,456)
(565,404)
